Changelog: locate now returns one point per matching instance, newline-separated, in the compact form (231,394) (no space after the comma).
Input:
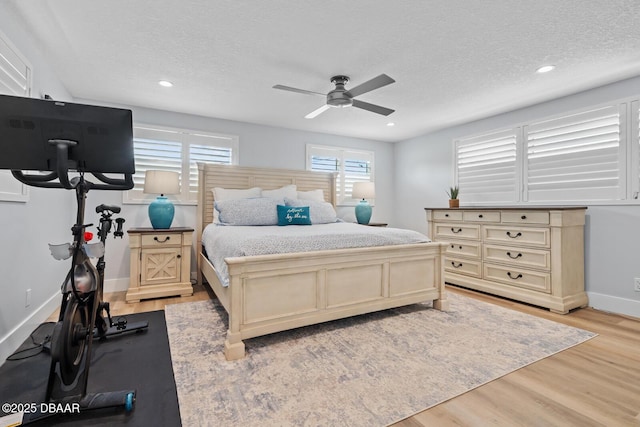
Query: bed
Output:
(275,292)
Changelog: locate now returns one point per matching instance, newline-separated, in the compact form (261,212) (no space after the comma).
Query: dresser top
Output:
(506,208)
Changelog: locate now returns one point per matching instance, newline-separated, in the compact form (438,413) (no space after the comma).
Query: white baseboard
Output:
(618,305)
(10,342)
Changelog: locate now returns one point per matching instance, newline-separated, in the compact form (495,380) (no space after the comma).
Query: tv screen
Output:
(103,136)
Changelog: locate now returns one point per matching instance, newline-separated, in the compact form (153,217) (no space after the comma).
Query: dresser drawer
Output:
(469,249)
(481,216)
(457,231)
(525,217)
(463,266)
(524,257)
(520,277)
(447,215)
(516,235)
(161,239)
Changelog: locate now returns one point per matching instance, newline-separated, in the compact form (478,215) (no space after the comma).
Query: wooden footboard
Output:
(272,293)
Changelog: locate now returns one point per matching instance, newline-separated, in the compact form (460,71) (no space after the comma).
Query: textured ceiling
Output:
(453,60)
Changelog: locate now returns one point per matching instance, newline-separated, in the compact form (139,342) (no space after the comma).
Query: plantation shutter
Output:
(486,168)
(576,157)
(635,149)
(351,167)
(15,74)
(209,149)
(177,150)
(15,79)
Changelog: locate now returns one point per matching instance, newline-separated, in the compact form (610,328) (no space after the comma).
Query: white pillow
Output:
(320,212)
(220,194)
(282,192)
(311,195)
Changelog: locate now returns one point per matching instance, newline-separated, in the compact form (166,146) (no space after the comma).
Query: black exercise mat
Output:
(138,361)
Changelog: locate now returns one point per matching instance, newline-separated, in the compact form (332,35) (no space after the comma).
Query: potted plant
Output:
(453,197)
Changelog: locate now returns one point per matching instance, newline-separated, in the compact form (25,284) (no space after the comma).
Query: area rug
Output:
(369,370)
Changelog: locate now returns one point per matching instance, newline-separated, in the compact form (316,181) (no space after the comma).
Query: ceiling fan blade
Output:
(317,112)
(293,89)
(372,107)
(368,86)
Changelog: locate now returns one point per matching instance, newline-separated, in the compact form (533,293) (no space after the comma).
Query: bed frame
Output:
(272,293)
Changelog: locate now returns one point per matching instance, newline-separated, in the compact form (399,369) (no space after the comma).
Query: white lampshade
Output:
(161,182)
(364,190)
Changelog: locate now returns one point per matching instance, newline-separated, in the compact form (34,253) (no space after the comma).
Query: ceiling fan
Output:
(341,97)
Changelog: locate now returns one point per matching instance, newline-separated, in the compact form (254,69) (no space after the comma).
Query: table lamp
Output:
(161,210)
(363,190)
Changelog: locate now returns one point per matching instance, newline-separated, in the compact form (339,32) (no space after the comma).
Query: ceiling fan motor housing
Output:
(338,97)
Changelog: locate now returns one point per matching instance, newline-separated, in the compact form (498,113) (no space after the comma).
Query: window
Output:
(15,79)
(177,150)
(351,166)
(579,157)
(486,167)
(576,157)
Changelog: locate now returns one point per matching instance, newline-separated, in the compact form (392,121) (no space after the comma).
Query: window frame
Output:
(11,190)
(628,165)
(342,153)
(136,196)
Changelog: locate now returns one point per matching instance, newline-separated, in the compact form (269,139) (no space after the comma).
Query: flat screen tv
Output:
(103,136)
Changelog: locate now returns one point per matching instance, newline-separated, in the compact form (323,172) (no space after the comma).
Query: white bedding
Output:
(222,241)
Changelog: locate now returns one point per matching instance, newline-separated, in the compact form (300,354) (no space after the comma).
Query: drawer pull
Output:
(480,216)
(514,278)
(523,217)
(454,246)
(162,241)
(446,215)
(513,236)
(454,231)
(514,257)
(456,266)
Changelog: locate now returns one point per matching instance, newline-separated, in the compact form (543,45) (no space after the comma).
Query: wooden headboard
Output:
(241,177)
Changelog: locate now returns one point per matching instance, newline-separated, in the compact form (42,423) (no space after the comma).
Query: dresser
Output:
(160,263)
(533,255)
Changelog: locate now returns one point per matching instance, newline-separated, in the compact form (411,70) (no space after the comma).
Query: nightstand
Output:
(160,263)
(377,224)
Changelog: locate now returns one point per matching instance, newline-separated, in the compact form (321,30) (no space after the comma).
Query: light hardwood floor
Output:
(596,383)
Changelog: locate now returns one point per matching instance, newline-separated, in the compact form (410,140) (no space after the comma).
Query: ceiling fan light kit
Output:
(340,97)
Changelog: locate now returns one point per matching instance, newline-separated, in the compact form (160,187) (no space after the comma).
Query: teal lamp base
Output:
(363,212)
(161,212)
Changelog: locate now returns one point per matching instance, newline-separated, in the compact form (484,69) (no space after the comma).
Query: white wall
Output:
(26,228)
(424,170)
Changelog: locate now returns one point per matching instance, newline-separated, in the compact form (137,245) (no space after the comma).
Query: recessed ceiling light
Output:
(165,83)
(390,124)
(545,68)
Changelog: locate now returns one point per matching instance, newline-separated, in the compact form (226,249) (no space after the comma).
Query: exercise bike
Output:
(81,319)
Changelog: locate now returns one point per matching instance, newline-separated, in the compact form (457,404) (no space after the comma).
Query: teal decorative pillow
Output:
(293,215)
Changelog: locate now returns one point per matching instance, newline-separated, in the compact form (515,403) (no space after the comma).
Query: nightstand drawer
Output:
(525,217)
(161,239)
(524,257)
(457,231)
